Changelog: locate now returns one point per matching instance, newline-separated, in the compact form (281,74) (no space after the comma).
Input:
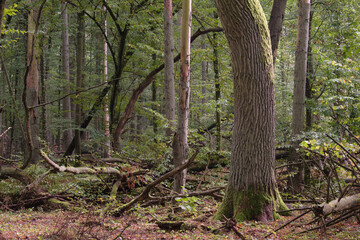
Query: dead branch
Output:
(88,170)
(5,132)
(16,173)
(337,205)
(287,223)
(145,194)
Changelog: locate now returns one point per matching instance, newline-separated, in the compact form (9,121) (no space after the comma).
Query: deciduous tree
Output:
(251,192)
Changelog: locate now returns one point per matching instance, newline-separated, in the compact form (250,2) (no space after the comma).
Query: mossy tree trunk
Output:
(251,193)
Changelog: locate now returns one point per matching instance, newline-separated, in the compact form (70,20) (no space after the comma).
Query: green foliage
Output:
(188,203)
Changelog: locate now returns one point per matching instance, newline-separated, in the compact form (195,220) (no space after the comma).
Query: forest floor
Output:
(141,223)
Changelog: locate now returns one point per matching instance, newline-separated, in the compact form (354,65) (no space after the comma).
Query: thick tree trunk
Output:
(31,93)
(297,181)
(181,148)
(275,24)
(251,193)
(169,67)
(67,133)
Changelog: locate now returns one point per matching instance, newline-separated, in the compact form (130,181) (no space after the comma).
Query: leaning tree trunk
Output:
(251,192)
(297,181)
(169,67)
(181,148)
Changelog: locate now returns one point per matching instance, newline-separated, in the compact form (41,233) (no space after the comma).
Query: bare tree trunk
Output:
(169,67)
(2,9)
(31,93)
(80,62)
(251,193)
(217,90)
(204,76)
(181,148)
(275,24)
(67,134)
(298,116)
(106,106)
(43,77)
(153,99)
(310,78)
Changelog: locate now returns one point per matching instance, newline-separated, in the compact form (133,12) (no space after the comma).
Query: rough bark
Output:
(298,116)
(67,133)
(31,92)
(169,67)
(251,193)
(275,24)
(181,148)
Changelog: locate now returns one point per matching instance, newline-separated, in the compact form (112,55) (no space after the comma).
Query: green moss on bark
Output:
(250,205)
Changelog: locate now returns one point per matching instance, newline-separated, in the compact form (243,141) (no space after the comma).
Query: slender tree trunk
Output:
(251,193)
(217,91)
(204,76)
(80,62)
(169,67)
(43,76)
(31,93)
(310,77)
(67,134)
(106,106)
(297,181)
(2,8)
(181,148)
(275,24)
(154,98)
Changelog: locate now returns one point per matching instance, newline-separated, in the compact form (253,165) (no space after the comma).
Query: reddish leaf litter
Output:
(141,224)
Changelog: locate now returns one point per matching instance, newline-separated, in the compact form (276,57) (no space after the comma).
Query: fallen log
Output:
(338,205)
(88,170)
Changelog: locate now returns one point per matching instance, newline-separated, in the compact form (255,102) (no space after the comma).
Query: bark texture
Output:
(31,92)
(252,177)
(169,66)
(181,148)
(275,24)
(298,116)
